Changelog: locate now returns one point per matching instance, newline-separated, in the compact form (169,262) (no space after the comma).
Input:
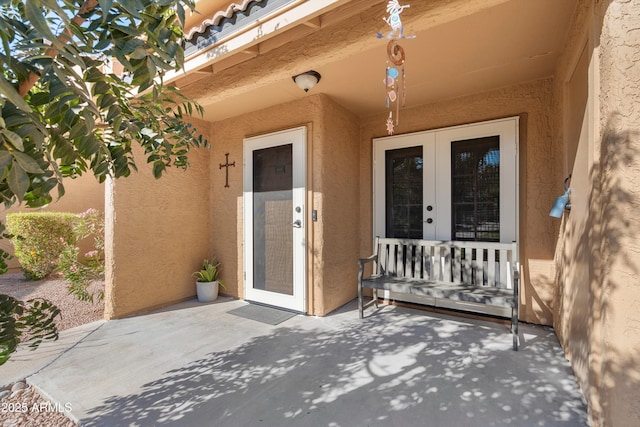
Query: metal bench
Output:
(476,272)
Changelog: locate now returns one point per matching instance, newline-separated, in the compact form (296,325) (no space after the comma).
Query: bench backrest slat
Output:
(478,266)
(382,258)
(504,268)
(476,263)
(491,267)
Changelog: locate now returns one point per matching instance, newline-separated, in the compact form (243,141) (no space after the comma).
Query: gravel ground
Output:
(20,404)
(73,312)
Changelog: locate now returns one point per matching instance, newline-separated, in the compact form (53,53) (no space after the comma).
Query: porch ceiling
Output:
(461,48)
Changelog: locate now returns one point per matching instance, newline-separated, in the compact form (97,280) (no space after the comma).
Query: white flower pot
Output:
(207,291)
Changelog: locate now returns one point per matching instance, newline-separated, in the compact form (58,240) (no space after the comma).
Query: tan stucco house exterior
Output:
(550,85)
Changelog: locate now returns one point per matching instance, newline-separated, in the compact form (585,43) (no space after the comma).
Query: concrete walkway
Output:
(197,365)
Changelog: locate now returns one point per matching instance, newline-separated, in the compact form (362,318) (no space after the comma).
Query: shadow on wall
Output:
(600,326)
(615,212)
(397,367)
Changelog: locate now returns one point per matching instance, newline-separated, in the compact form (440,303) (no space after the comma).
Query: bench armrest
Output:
(363,261)
(361,264)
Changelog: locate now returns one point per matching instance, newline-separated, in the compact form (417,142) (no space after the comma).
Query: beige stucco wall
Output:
(598,310)
(340,190)
(157,234)
(531,101)
(332,187)
(81,194)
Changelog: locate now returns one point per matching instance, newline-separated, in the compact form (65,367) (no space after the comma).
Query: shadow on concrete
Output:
(396,367)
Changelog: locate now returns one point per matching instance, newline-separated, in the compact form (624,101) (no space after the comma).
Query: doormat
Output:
(260,313)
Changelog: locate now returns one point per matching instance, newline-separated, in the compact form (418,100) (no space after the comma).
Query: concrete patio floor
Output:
(197,365)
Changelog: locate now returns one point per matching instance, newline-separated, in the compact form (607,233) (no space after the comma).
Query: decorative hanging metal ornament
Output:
(394,77)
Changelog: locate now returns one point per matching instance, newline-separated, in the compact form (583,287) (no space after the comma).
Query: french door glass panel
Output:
(404,192)
(475,185)
(469,183)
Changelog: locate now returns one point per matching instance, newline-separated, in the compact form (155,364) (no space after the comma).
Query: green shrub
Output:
(79,270)
(39,238)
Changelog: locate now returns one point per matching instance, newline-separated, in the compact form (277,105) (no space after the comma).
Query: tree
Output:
(63,112)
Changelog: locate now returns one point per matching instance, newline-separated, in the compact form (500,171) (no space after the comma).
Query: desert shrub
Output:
(80,270)
(38,239)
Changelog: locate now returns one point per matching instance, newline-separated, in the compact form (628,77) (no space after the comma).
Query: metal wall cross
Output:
(226,165)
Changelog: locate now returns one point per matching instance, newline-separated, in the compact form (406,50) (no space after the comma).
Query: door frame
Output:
(297,137)
(436,140)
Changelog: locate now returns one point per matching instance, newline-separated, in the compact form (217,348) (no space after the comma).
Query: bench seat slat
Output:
(437,289)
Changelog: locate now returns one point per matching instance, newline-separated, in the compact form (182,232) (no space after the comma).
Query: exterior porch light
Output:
(307,80)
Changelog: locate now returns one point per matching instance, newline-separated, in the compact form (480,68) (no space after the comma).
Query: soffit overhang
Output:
(462,47)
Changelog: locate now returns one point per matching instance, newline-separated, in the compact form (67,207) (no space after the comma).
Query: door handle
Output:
(297,224)
(429,220)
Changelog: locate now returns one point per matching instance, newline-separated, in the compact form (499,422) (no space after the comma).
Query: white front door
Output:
(274,219)
(457,183)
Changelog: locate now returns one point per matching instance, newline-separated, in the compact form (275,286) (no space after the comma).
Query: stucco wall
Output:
(531,101)
(340,188)
(331,188)
(574,294)
(599,300)
(157,234)
(81,194)
(619,203)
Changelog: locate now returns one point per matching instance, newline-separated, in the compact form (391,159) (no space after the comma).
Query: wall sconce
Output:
(562,202)
(307,80)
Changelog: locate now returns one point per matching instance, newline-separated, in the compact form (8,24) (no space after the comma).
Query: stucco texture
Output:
(157,235)
(597,315)
(332,190)
(531,101)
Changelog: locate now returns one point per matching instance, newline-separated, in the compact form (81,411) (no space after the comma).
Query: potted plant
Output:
(207,282)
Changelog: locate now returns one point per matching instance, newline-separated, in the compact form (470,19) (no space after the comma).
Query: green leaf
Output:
(12,95)
(158,168)
(93,74)
(114,111)
(151,68)
(105,5)
(36,18)
(127,30)
(133,7)
(74,59)
(102,44)
(53,5)
(61,190)
(79,129)
(139,53)
(5,160)
(18,181)
(181,13)
(39,98)
(13,138)
(27,163)
(105,101)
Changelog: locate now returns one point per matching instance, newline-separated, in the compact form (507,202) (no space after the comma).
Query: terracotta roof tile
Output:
(215,19)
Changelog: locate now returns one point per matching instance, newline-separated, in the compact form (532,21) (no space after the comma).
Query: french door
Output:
(456,183)
(274,219)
